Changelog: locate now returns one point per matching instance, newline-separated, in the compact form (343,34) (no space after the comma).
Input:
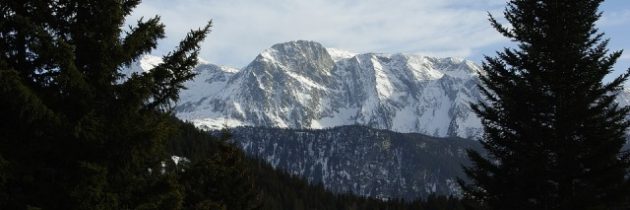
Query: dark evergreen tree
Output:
(217,177)
(74,133)
(553,130)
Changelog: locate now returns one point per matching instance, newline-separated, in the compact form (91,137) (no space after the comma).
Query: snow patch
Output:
(148,62)
(339,54)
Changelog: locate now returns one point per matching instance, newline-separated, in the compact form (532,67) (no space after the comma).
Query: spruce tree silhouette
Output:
(553,131)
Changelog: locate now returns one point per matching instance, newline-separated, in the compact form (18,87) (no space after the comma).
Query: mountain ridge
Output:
(298,84)
(302,84)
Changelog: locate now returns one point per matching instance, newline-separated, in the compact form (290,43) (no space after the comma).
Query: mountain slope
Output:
(300,85)
(275,188)
(364,161)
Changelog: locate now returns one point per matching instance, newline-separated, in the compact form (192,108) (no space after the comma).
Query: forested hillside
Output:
(274,189)
(362,160)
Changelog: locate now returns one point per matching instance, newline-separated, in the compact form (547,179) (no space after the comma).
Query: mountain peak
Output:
(306,58)
(301,84)
(297,44)
(297,54)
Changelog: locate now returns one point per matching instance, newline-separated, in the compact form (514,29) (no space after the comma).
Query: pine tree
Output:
(74,133)
(218,177)
(553,131)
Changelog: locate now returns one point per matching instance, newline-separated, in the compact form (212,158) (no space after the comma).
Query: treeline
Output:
(239,176)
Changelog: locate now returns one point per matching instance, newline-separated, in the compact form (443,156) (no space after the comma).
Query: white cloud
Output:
(243,28)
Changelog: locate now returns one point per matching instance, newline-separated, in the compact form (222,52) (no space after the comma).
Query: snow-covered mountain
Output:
(301,84)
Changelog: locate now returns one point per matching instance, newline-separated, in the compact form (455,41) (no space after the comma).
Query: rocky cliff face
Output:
(301,85)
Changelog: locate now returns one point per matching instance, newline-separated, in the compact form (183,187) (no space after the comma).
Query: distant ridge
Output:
(302,84)
(299,84)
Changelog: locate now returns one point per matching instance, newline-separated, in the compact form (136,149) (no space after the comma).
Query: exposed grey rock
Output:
(299,85)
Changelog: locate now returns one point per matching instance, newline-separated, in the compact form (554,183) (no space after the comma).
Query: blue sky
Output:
(243,28)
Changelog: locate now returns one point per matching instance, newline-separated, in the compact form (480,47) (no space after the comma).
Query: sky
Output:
(443,28)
